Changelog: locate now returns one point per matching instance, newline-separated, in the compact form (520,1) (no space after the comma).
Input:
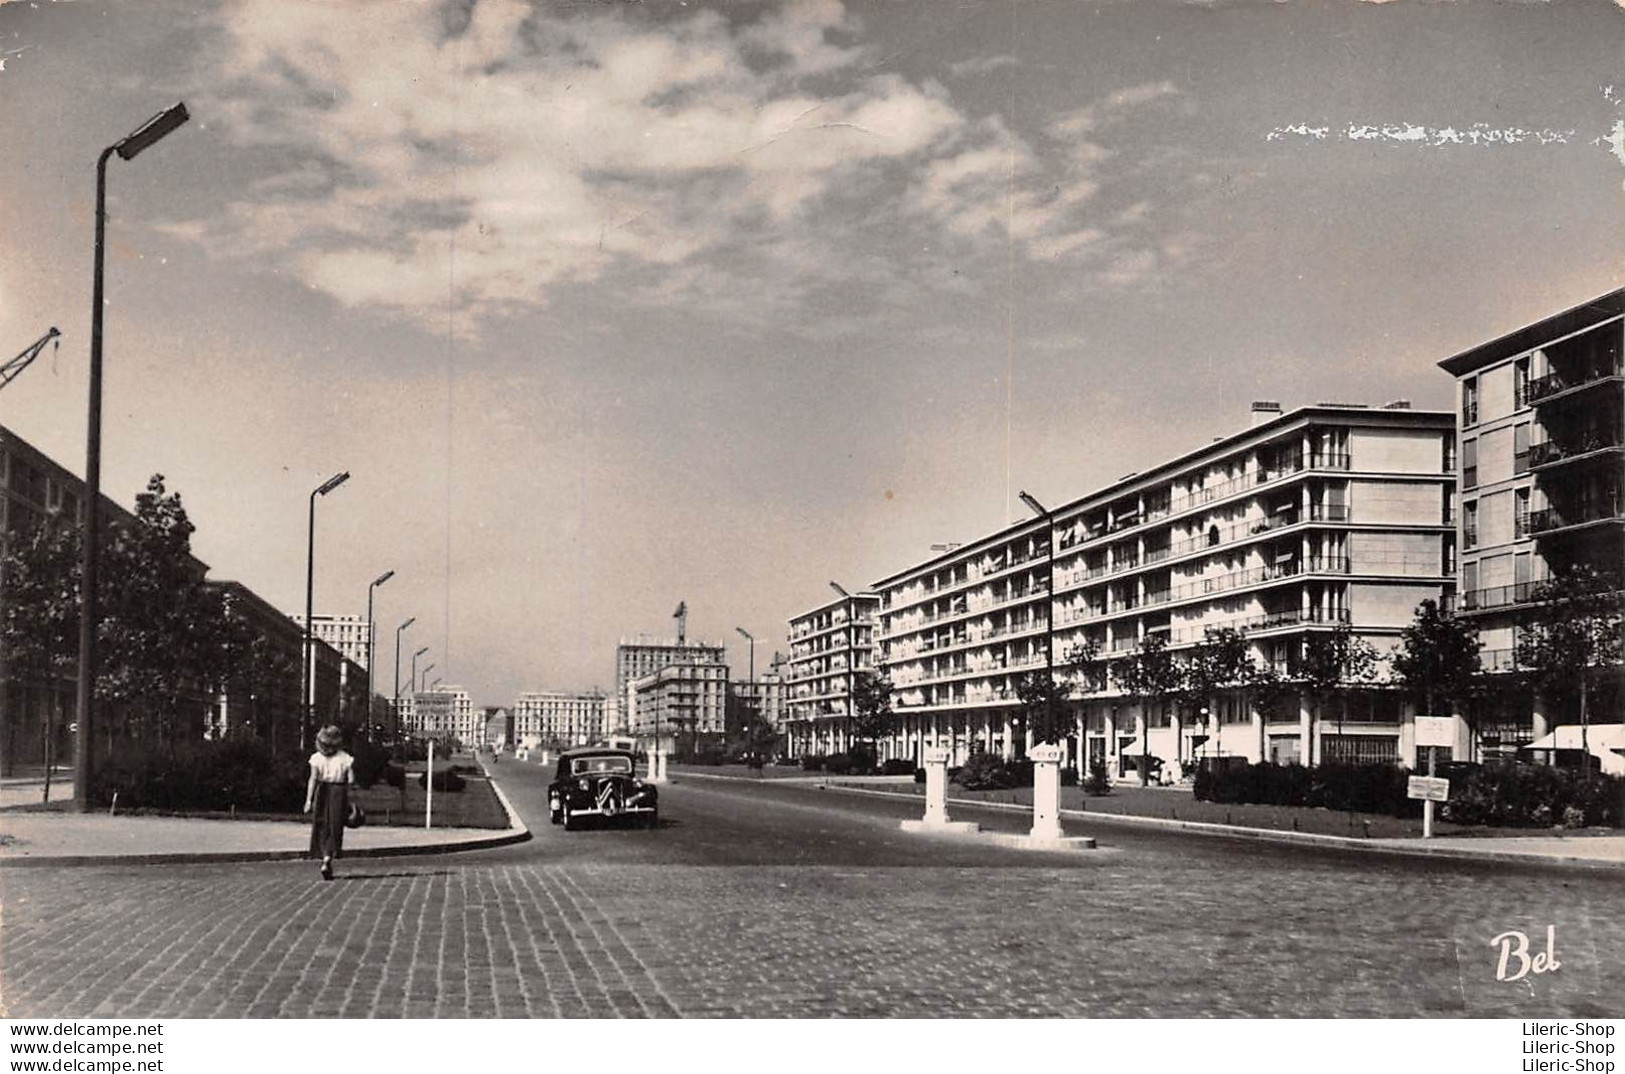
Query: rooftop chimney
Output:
(1265,410)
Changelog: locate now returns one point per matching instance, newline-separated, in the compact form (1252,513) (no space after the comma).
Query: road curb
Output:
(515,824)
(1269,835)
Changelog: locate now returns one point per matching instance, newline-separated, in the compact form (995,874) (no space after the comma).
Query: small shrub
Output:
(838,764)
(813,763)
(1574,817)
(897,766)
(985,772)
(444,780)
(395,774)
(1099,781)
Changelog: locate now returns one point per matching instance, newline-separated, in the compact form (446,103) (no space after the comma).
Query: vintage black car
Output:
(600,781)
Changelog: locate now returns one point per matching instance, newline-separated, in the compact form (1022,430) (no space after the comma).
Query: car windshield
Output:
(589,765)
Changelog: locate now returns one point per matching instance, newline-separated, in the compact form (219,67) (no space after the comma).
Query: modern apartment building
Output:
(559,719)
(829,645)
(1542,431)
(444,712)
(641,656)
(766,694)
(685,704)
(346,633)
(1327,515)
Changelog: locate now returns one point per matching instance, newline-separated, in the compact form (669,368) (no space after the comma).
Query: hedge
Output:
(1504,795)
(215,776)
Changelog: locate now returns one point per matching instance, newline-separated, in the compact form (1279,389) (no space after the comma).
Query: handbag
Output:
(356,816)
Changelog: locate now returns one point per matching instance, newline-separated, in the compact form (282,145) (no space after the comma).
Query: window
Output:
(1520,384)
(1520,448)
(1469,464)
(1469,401)
(1449,456)
(1469,525)
(1521,514)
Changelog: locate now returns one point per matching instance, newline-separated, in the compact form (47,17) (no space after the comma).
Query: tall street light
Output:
(372,644)
(425,677)
(415,656)
(308,668)
(142,137)
(1049,612)
(747,636)
(397,712)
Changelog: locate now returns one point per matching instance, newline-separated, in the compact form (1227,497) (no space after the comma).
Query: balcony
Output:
(1552,453)
(1543,389)
(1605,508)
(1499,596)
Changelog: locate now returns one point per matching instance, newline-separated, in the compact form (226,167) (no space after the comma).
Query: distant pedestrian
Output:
(327,797)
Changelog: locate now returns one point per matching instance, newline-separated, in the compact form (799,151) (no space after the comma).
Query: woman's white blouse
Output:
(334,769)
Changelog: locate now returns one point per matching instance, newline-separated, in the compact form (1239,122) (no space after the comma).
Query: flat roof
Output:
(1526,338)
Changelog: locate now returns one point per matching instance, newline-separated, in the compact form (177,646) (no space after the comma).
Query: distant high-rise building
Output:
(829,645)
(557,718)
(684,703)
(346,633)
(637,657)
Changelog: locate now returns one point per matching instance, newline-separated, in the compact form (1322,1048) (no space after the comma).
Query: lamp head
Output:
(420,652)
(744,633)
(382,578)
(152,131)
(1033,504)
(406,624)
(332,483)
(836,586)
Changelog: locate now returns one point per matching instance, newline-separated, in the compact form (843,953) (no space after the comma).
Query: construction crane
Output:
(681,615)
(9,371)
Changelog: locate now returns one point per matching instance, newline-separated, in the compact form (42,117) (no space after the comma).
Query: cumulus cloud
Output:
(537,150)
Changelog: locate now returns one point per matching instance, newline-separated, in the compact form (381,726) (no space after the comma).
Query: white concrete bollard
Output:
(936,798)
(657,771)
(662,756)
(544,757)
(1046,791)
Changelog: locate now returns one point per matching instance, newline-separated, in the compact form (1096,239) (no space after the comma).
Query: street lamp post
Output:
(425,678)
(397,712)
(308,667)
(1049,610)
(372,644)
(145,135)
(414,679)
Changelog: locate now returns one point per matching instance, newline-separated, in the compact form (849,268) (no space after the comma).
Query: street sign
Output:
(1428,788)
(1435,730)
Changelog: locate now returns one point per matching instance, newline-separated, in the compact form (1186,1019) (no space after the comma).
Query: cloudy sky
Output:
(609,305)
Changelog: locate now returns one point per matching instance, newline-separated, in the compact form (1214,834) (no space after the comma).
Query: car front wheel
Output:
(571,821)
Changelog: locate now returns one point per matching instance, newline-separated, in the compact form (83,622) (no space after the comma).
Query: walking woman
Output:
(327,798)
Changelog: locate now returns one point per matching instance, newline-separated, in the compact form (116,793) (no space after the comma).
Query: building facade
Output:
(829,646)
(446,712)
(638,657)
(1328,515)
(766,695)
(557,719)
(685,704)
(1542,431)
(346,633)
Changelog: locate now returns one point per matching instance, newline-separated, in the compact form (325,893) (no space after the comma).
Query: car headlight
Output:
(586,785)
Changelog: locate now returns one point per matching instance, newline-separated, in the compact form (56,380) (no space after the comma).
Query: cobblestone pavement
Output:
(640,924)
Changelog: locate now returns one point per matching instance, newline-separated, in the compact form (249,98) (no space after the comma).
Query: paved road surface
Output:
(790,901)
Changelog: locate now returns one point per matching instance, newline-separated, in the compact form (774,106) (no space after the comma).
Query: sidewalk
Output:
(62,838)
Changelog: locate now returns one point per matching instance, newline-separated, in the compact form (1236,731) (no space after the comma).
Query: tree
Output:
(1218,661)
(160,628)
(1572,637)
(871,707)
(39,623)
(1268,691)
(1437,660)
(1149,675)
(1332,660)
(1043,706)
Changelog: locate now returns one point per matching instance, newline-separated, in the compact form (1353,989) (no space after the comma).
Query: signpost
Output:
(1433,732)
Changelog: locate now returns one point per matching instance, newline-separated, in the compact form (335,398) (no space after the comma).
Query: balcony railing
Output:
(1542,388)
(1601,509)
(1549,452)
(1268,621)
(1498,596)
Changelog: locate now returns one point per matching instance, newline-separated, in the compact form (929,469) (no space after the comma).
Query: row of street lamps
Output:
(148,134)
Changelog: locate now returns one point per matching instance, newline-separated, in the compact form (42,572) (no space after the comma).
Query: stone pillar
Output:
(936,786)
(661,756)
(1046,791)
(935,759)
(654,765)
(1306,731)
(1008,745)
